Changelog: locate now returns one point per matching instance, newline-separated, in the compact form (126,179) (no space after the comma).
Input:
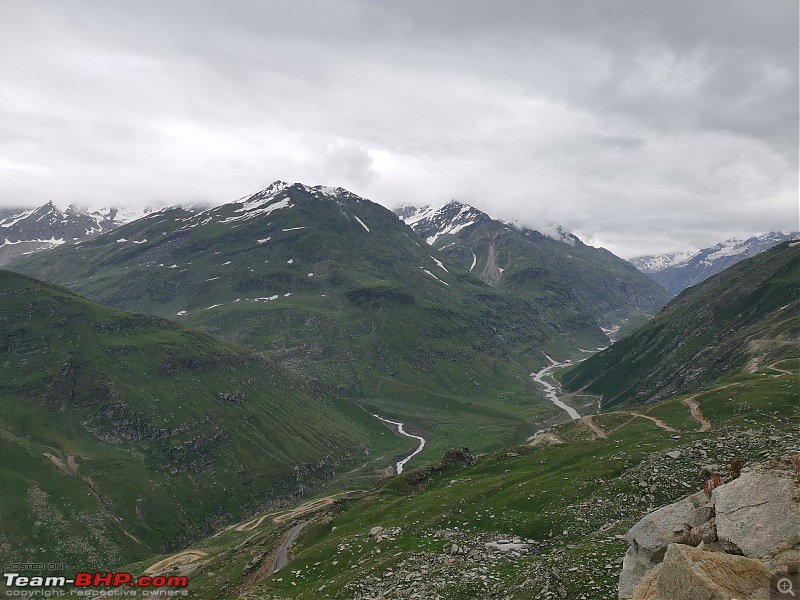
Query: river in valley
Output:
(401,431)
(550,390)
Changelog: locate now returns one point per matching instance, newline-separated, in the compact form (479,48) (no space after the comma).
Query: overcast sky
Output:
(643,126)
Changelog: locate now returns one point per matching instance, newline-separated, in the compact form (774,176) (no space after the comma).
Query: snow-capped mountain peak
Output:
(24,231)
(430,223)
(655,263)
(735,247)
(679,270)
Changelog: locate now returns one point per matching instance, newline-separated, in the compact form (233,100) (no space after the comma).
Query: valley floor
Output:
(543,520)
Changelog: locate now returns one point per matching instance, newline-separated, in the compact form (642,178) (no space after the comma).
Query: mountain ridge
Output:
(25,231)
(554,268)
(334,285)
(733,321)
(677,271)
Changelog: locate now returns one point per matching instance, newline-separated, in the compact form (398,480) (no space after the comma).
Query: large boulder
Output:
(649,538)
(756,514)
(689,574)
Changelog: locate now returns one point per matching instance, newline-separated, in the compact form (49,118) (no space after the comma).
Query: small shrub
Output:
(736,468)
(713,482)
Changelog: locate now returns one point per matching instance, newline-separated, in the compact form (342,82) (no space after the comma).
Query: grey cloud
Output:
(634,122)
(347,162)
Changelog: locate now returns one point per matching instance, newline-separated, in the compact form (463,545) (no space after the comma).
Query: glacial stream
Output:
(401,431)
(550,390)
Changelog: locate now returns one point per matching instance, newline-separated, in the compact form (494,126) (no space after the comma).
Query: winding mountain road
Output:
(697,413)
(282,558)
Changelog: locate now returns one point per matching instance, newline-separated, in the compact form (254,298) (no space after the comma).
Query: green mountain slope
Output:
(584,287)
(532,521)
(123,434)
(740,319)
(339,288)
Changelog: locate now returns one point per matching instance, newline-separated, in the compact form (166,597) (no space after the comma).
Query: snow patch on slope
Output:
(438,262)
(362,223)
(257,208)
(434,276)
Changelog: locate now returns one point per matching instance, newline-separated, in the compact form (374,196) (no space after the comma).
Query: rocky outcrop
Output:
(116,422)
(756,514)
(689,573)
(649,538)
(693,548)
(380,534)
(237,397)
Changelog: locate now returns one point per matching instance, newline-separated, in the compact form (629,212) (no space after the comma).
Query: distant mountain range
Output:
(24,231)
(337,287)
(677,271)
(127,435)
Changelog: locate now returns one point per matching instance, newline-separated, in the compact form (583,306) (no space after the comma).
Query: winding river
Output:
(550,390)
(401,431)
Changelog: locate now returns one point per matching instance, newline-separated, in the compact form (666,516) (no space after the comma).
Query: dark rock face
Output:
(115,422)
(62,388)
(459,457)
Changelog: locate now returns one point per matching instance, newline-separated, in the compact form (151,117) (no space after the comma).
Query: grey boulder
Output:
(756,514)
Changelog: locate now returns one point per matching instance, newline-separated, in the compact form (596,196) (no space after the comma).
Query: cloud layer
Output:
(643,126)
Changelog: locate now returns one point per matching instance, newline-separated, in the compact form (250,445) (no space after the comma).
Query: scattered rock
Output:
(455,549)
(380,534)
(376,531)
(707,470)
(506,546)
